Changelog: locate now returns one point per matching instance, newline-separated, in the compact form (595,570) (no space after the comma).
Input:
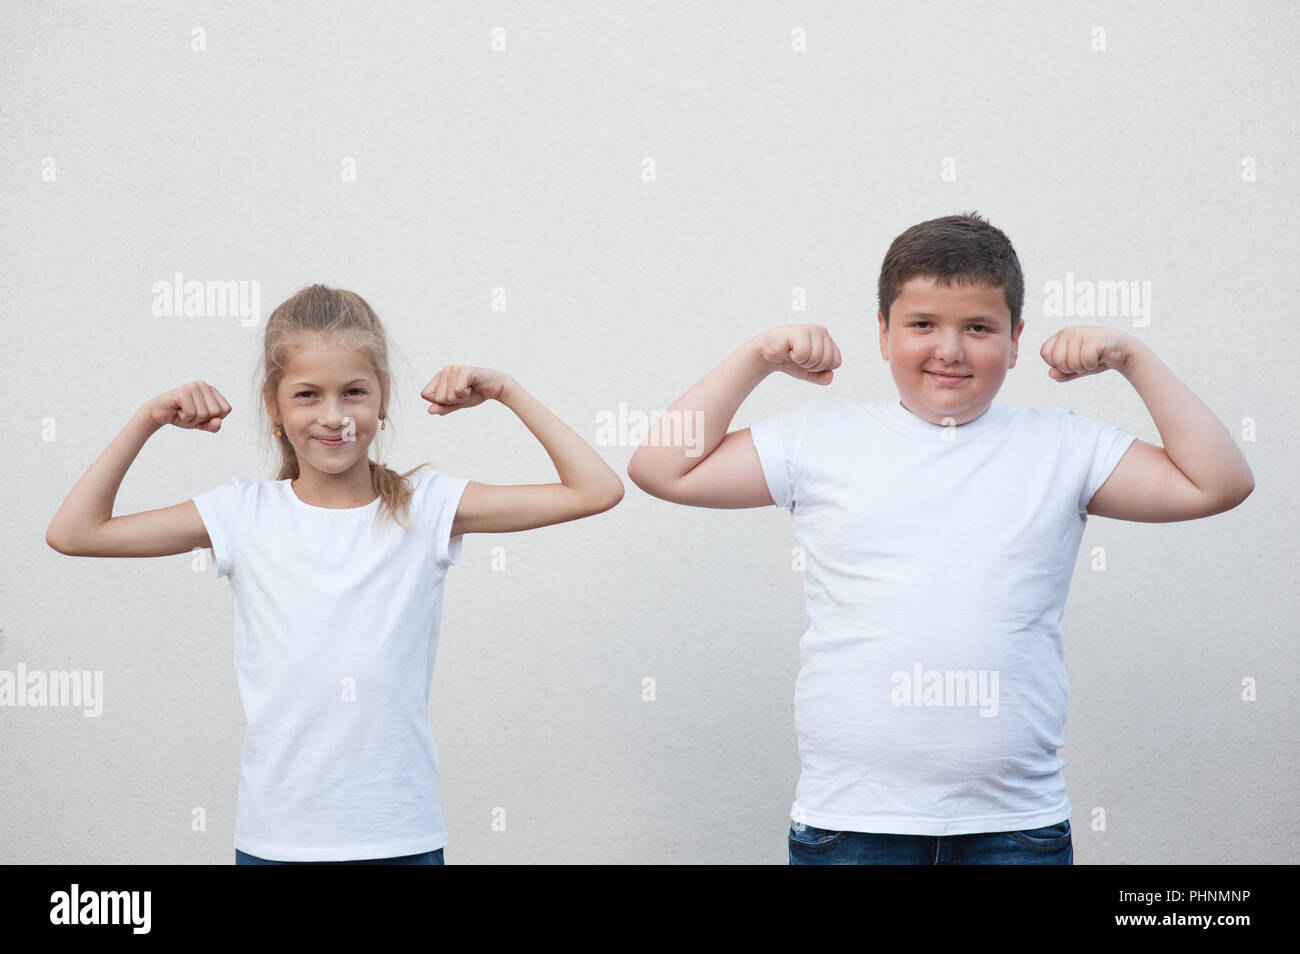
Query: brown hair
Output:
(955,249)
(343,317)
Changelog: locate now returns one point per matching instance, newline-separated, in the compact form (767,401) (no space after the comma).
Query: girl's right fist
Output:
(805,352)
(196,405)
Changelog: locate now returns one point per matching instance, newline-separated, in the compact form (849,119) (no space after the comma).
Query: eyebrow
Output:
(308,384)
(926,315)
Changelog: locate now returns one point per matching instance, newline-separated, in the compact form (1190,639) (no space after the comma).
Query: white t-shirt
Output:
(932,695)
(336,627)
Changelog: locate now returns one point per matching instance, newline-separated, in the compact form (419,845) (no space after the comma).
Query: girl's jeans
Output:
(1036,846)
(426,858)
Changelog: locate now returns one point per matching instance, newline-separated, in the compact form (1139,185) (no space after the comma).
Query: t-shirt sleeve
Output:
(442,494)
(220,510)
(778,440)
(1100,447)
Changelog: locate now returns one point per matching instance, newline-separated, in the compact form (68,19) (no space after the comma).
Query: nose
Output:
(331,413)
(949,347)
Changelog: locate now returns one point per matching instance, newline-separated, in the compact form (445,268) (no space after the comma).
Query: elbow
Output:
(57,544)
(637,475)
(645,483)
(1230,501)
(591,500)
(631,471)
(610,498)
(1247,489)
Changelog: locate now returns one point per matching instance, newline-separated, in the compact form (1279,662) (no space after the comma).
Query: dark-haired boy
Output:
(940,533)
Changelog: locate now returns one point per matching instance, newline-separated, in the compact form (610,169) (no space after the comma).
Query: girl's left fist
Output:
(459,385)
(1081,350)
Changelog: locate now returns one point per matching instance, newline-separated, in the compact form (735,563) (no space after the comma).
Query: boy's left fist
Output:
(459,385)
(1081,350)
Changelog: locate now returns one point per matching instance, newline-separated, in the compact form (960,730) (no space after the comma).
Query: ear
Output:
(1015,343)
(271,412)
(884,336)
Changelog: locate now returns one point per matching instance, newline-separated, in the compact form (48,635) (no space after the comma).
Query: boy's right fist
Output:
(196,405)
(805,352)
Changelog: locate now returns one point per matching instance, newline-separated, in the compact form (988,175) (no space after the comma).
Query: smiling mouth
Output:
(331,441)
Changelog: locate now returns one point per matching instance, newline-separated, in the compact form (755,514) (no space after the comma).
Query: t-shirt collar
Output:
(909,423)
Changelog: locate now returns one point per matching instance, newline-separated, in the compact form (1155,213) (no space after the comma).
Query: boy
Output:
(940,532)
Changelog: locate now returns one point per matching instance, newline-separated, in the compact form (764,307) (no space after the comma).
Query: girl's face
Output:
(328,406)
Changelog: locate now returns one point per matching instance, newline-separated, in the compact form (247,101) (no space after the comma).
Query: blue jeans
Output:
(426,858)
(1035,846)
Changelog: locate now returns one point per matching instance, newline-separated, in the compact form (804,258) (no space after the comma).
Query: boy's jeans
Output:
(1036,846)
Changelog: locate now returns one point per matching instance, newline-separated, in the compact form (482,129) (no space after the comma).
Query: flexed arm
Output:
(1199,472)
(85,525)
(587,485)
(724,471)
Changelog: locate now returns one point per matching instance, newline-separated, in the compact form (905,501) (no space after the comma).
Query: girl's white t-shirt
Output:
(336,627)
(931,697)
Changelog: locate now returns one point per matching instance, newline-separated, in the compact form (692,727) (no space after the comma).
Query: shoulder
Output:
(825,409)
(425,480)
(788,429)
(241,488)
(1085,436)
(252,490)
(1079,425)
(436,498)
(1060,414)
(1028,418)
(834,414)
(420,477)
(428,485)
(227,503)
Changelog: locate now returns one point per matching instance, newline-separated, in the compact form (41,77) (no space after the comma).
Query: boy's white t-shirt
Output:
(931,697)
(336,627)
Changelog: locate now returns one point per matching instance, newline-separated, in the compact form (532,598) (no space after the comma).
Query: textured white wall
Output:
(522,168)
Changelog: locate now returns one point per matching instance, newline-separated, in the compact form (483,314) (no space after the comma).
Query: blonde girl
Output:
(336,570)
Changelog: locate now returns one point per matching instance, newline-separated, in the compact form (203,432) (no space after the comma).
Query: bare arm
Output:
(85,526)
(1199,472)
(1194,438)
(723,470)
(587,485)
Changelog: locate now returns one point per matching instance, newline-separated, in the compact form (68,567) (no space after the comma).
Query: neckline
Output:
(287,483)
(909,423)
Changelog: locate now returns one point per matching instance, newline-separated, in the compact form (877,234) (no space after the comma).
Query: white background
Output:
(522,169)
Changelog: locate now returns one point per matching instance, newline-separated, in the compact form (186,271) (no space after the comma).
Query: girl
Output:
(336,570)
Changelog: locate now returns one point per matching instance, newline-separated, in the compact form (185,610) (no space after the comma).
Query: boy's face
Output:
(964,330)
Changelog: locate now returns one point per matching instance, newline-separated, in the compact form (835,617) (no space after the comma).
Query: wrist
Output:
(756,358)
(509,388)
(1136,352)
(143,422)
